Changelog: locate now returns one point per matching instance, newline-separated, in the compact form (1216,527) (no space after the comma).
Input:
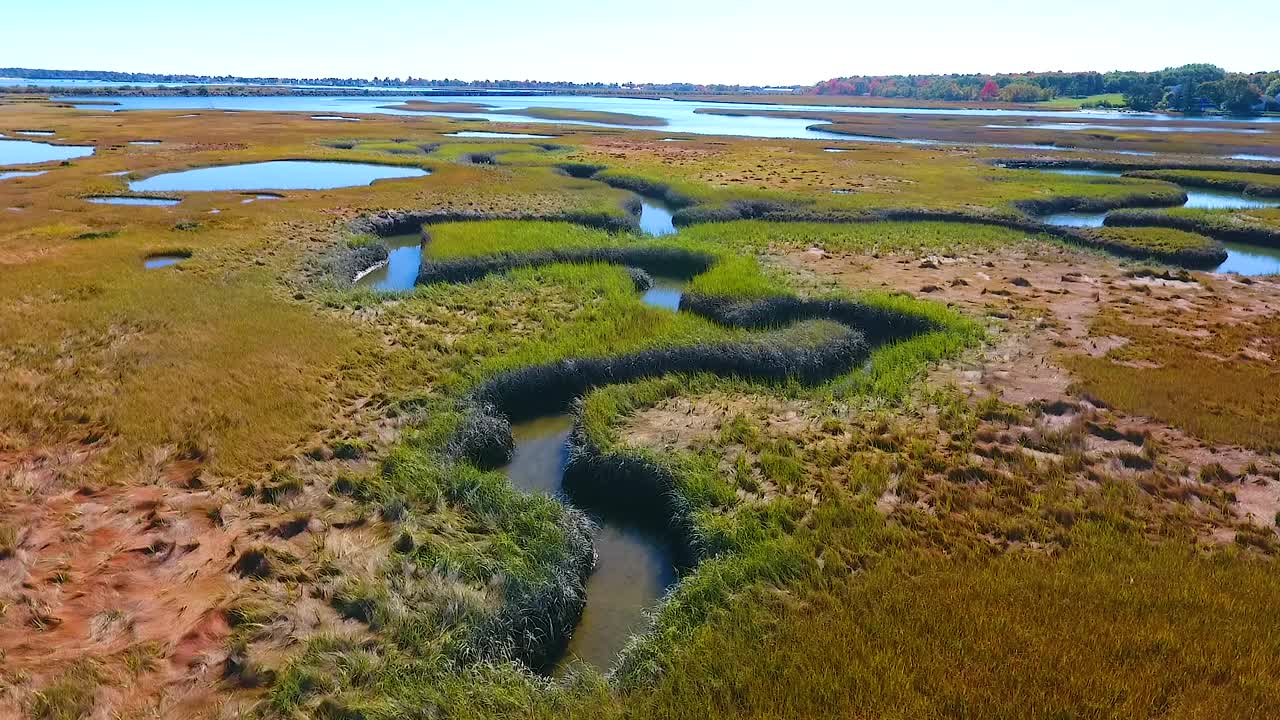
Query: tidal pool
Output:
(337,118)
(1250,260)
(656,217)
(1132,128)
(260,196)
(1241,258)
(1221,199)
(275,175)
(154,262)
(26,152)
(633,568)
(38,133)
(1247,156)
(126,200)
(400,271)
(488,134)
(1084,171)
(145,142)
(20,173)
(1074,219)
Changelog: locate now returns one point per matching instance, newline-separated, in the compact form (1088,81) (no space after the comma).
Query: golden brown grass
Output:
(1221,387)
(1110,630)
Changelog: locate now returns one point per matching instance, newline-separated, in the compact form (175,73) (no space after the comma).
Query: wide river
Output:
(680,115)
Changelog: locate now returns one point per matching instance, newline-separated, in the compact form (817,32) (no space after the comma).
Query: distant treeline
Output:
(1187,88)
(37,74)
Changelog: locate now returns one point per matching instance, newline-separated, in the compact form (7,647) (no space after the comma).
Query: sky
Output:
(702,41)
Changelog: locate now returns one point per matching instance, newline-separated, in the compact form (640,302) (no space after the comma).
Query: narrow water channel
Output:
(1242,258)
(656,216)
(665,292)
(400,271)
(634,565)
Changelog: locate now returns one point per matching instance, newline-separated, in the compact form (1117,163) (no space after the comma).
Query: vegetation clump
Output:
(1178,247)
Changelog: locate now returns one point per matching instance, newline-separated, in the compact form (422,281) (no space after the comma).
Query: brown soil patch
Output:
(1040,303)
(682,423)
(102,573)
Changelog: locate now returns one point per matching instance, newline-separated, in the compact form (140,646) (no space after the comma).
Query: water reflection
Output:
(126,200)
(27,152)
(275,175)
(400,272)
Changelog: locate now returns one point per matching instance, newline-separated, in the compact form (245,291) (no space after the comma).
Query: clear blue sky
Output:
(734,41)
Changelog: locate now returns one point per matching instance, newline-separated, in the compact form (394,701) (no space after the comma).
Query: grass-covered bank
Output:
(1169,245)
(1111,628)
(412,483)
(1221,225)
(1247,183)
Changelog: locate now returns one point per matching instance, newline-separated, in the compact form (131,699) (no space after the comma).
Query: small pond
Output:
(26,152)
(254,197)
(275,175)
(154,262)
(336,118)
(38,133)
(633,567)
(127,200)
(20,173)
(1075,219)
(400,271)
(145,142)
(1247,156)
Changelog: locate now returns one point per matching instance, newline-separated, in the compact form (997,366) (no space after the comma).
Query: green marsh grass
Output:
(1160,240)
(236,360)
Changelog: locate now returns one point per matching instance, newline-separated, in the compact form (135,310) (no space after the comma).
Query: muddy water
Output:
(400,272)
(633,567)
